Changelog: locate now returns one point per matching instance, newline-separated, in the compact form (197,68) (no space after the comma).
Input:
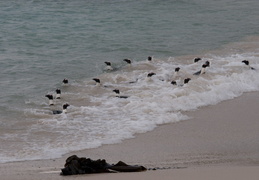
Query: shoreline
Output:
(215,138)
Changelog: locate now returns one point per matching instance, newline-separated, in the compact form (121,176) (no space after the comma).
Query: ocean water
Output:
(43,42)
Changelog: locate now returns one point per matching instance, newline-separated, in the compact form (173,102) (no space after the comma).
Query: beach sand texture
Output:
(217,142)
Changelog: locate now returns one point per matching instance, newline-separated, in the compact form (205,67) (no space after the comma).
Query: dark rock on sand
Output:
(75,165)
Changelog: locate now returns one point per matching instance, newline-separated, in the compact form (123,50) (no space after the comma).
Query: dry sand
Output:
(218,142)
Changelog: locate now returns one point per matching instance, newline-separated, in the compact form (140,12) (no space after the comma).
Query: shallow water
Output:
(43,42)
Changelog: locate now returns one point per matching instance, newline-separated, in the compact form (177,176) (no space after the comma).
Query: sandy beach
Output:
(217,142)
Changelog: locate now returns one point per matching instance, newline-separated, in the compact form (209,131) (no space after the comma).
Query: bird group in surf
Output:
(151,74)
(57,96)
(173,80)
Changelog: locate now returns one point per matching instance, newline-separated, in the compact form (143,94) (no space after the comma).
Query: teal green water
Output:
(43,42)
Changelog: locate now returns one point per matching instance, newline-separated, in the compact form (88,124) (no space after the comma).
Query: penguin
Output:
(197,59)
(65,81)
(149,75)
(58,94)
(207,63)
(50,97)
(117,91)
(109,66)
(176,71)
(202,71)
(98,82)
(173,83)
(246,62)
(127,61)
(63,111)
(186,80)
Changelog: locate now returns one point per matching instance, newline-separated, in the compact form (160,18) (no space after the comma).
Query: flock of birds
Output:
(117,91)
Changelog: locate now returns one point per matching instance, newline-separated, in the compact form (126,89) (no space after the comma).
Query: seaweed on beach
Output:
(75,165)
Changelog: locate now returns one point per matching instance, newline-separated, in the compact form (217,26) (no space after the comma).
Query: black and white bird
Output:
(108,66)
(50,97)
(202,71)
(246,62)
(117,91)
(63,111)
(177,69)
(186,81)
(58,94)
(65,81)
(173,82)
(149,75)
(127,61)
(207,63)
(197,59)
(98,82)
(176,72)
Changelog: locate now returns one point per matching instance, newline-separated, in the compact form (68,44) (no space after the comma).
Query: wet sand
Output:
(217,142)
